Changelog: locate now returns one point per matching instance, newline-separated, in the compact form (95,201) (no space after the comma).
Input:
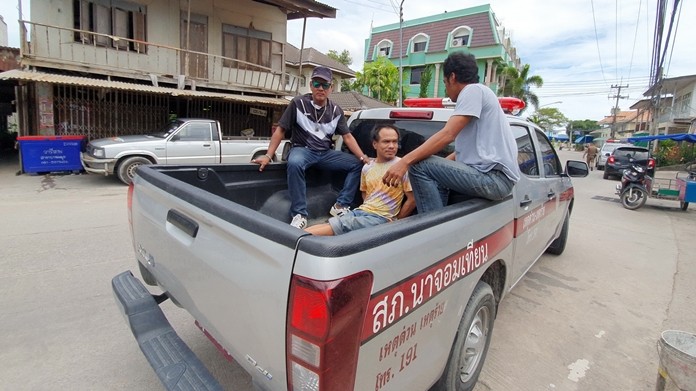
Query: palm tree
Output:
(518,83)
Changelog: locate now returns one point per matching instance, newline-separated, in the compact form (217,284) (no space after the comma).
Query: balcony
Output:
(113,56)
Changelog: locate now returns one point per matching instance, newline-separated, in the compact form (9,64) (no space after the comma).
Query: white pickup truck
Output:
(183,141)
(406,305)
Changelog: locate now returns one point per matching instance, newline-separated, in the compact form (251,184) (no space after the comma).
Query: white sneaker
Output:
(337,210)
(299,221)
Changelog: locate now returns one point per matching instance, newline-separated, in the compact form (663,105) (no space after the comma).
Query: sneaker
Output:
(338,210)
(299,221)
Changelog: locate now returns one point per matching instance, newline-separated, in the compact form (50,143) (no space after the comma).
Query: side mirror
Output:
(577,169)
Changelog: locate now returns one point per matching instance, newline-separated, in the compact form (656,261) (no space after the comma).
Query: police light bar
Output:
(509,105)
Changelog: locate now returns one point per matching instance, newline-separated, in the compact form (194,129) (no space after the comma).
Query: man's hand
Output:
(262,161)
(395,174)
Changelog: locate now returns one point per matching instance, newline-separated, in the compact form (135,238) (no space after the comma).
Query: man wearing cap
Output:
(312,120)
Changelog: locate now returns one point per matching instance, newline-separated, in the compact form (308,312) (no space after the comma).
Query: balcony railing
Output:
(87,51)
(673,114)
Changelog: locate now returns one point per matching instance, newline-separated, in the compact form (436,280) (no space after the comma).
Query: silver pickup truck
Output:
(406,305)
(183,141)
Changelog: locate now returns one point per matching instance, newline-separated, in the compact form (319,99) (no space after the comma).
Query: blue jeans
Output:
(355,219)
(302,158)
(432,178)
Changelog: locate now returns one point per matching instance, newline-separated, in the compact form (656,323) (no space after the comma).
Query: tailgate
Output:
(229,266)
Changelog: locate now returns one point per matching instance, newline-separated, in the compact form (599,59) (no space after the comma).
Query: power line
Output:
(599,54)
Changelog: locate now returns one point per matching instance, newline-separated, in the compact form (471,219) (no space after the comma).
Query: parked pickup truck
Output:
(183,141)
(405,305)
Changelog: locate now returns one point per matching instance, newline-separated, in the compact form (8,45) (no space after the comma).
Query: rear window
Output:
(412,134)
(634,153)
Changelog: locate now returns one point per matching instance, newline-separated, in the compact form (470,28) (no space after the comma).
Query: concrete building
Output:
(3,32)
(428,41)
(309,59)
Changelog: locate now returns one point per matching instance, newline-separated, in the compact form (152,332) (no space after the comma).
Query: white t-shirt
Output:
(487,141)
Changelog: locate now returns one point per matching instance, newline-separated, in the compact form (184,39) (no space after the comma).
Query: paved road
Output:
(587,320)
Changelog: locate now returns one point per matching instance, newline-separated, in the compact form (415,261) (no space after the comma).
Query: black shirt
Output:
(312,127)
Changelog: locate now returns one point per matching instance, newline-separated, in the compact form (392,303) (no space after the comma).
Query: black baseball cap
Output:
(323,73)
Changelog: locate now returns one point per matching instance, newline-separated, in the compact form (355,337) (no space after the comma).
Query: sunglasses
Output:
(317,84)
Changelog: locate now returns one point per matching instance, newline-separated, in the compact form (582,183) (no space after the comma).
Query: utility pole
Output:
(616,106)
(401,52)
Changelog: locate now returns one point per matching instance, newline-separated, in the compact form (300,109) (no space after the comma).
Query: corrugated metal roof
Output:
(17,74)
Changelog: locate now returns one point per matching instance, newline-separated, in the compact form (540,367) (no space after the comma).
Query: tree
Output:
(518,83)
(381,78)
(426,77)
(548,118)
(344,58)
(585,124)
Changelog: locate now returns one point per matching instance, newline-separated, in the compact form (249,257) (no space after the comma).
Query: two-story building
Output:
(300,64)
(674,103)
(113,67)
(428,41)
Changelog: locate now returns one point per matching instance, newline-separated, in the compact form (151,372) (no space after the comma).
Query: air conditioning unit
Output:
(457,42)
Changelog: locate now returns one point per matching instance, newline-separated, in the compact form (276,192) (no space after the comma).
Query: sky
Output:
(581,48)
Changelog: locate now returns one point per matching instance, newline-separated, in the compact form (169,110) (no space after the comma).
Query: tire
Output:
(471,342)
(683,205)
(633,198)
(126,169)
(147,276)
(605,175)
(558,245)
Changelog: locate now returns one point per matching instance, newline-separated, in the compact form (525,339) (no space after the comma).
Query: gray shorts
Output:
(355,219)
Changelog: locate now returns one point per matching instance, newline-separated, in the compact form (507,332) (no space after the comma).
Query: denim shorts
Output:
(355,219)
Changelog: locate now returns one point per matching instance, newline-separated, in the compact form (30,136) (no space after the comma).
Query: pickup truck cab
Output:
(182,141)
(407,305)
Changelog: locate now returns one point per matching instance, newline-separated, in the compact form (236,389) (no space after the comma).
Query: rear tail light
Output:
(610,159)
(323,332)
(651,163)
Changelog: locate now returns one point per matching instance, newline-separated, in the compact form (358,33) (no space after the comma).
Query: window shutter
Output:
(139,32)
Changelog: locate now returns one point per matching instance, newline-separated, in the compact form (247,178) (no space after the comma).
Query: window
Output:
(110,17)
(195,132)
(419,43)
(526,157)
(383,48)
(460,37)
(552,166)
(416,73)
(247,45)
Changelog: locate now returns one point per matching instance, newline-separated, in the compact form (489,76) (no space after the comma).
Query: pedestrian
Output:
(312,120)
(590,154)
(484,163)
(381,203)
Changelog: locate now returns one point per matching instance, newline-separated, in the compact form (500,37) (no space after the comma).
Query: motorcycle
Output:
(633,189)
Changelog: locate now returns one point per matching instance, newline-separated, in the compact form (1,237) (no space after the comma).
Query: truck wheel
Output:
(147,276)
(471,342)
(126,169)
(605,175)
(558,246)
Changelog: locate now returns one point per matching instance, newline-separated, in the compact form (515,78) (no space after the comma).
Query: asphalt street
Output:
(586,320)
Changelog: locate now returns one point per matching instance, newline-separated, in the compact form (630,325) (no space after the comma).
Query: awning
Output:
(560,137)
(676,137)
(583,139)
(17,74)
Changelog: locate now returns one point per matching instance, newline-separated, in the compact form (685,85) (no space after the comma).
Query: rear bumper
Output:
(175,364)
(97,166)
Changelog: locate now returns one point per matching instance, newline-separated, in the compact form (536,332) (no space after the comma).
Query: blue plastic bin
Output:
(50,153)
